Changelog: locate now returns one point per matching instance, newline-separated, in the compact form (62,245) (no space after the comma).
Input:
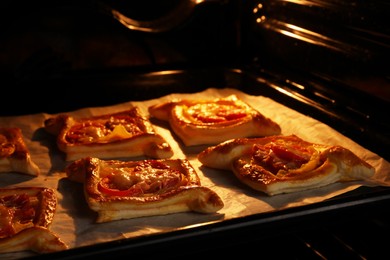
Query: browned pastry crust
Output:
(284,164)
(130,189)
(213,121)
(14,154)
(25,216)
(109,136)
(38,239)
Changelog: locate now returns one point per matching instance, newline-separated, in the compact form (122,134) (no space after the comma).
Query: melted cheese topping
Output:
(212,113)
(282,158)
(103,131)
(143,179)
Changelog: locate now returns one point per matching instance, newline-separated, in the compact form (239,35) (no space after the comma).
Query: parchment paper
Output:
(74,221)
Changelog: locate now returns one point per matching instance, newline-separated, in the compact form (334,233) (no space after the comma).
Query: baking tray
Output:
(354,113)
(76,90)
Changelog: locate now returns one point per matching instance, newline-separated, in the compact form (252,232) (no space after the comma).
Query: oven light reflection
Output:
(296,96)
(199,225)
(308,2)
(257,9)
(301,33)
(260,19)
(165,72)
(318,94)
(282,90)
(299,86)
(305,35)
(296,32)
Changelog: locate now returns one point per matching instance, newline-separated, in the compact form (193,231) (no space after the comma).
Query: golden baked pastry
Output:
(14,154)
(130,189)
(25,216)
(115,135)
(198,122)
(284,164)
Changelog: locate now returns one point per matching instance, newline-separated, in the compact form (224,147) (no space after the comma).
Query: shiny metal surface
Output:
(323,58)
(338,41)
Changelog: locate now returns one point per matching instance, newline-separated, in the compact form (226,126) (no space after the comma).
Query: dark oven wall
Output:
(45,42)
(345,43)
(342,42)
(86,35)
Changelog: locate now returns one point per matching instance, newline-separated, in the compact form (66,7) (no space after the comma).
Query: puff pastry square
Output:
(14,154)
(131,189)
(198,122)
(25,216)
(284,164)
(116,135)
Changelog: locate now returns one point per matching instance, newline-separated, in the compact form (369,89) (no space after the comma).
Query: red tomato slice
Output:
(287,154)
(103,186)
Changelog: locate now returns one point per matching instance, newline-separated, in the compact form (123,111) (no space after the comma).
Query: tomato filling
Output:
(275,157)
(91,131)
(216,113)
(143,179)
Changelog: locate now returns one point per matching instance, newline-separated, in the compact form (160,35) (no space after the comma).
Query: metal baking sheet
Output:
(143,89)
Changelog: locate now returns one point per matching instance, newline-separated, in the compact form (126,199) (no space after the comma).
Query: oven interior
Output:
(326,59)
